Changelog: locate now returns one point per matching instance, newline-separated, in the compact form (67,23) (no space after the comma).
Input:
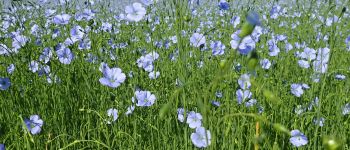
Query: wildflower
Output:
(215,103)
(244,81)
(148,2)
(18,41)
(154,75)
(197,40)
(235,21)
(146,62)
(319,121)
(297,90)
(2,147)
(112,77)
(135,12)
(340,77)
(76,34)
(3,49)
(145,98)
(298,139)
(265,64)
(46,55)
(62,19)
(11,68)
(304,64)
(224,5)
(346,109)
(194,120)
(112,113)
(243,95)
(65,55)
(180,114)
(250,103)
(217,48)
(34,124)
(201,138)
(4,83)
(218,94)
(34,66)
(130,110)
(347,43)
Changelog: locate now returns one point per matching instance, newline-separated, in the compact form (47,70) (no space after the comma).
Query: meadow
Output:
(175,74)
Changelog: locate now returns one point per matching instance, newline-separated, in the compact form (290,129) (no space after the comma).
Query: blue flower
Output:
(244,81)
(201,138)
(180,114)
(65,55)
(34,124)
(18,41)
(106,27)
(4,50)
(194,120)
(197,40)
(217,48)
(346,109)
(11,68)
(154,75)
(61,19)
(4,83)
(298,139)
(215,103)
(224,5)
(243,95)
(275,12)
(2,147)
(146,62)
(297,89)
(253,18)
(347,43)
(340,77)
(145,98)
(46,55)
(304,64)
(265,64)
(34,66)
(135,12)
(250,103)
(148,2)
(76,33)
(235,21)
(112,77)
(319,122)
(218,94)
(112,113)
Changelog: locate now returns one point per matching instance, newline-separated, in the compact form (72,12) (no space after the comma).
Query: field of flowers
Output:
(175,74)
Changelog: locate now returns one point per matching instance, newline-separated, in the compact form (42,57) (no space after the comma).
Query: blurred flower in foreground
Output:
(2,146)
(34,124)
(135,12)
(298,139)
(201,138)
(248,27)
